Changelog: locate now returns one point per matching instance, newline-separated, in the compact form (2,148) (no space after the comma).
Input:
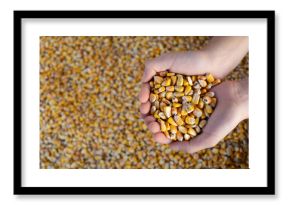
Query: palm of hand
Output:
(221,122)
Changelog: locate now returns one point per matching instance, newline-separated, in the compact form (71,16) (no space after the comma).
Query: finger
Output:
(159,64)
(149,72)
(161,138)
(154,127)
(202,141)
(144,93)
(180,146)
(145,107)
(149,119)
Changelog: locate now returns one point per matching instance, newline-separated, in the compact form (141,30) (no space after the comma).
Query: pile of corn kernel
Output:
(182,104)
(89,108)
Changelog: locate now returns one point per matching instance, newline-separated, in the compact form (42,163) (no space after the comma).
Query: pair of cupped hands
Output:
(231,98)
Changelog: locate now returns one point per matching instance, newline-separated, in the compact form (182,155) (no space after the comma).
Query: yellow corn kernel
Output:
(193,78)
(189,79)
(166,82)
(188,126)
(171,121)
(162,105)
(170,88)
(179,136)
(202,123)
(187,90)
(191,131)
(179,88)
(153,97)
(197,129)
(186,136)
(176,104)
(152,110)
(179,81)
(187,98)
(179,111)
(162,115)
(189,108)
(173,129)
(209,86)
(209,78)
(178,120)
(162,125)
(195,98)
(156,115)
(202,83)
(213,102)
(173,136)
(156,86)
(208,109)
(210,94)
(167,126)
(201,77)
(178,94)
(182,129)
(197,121)
(162,94)
(156,104)
(161,89)
(158,79)
(175,100)
(190,120)
(203,91)
(197,112)
(183,111)
(216,81)
(169,95)
(167,111)
(167,102)
(173,80)
(200,104)
(174,111)
(196,85)
(206,100)
(190,93)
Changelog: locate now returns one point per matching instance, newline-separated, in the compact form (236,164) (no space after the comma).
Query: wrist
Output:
(225,53)
(217,63)
(208,62)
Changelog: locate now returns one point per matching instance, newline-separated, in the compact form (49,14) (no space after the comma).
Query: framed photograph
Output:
(80,99)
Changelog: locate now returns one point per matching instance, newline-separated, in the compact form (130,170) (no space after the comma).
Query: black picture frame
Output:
(268,190)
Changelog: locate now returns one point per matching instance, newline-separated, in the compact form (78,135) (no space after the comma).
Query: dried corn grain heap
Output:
(182,104)
(89,112)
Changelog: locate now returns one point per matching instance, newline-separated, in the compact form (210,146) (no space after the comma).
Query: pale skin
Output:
(219,57)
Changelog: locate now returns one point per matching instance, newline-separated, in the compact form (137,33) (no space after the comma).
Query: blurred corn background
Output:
(89,108)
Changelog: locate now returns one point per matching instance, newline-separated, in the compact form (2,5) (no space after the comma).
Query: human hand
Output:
(188,63)
(230,108)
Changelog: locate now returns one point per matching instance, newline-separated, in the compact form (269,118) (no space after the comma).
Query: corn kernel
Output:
(171,121)
(209,78)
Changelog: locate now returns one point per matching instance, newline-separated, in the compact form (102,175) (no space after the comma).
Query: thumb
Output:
(202,141)
(158,64)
